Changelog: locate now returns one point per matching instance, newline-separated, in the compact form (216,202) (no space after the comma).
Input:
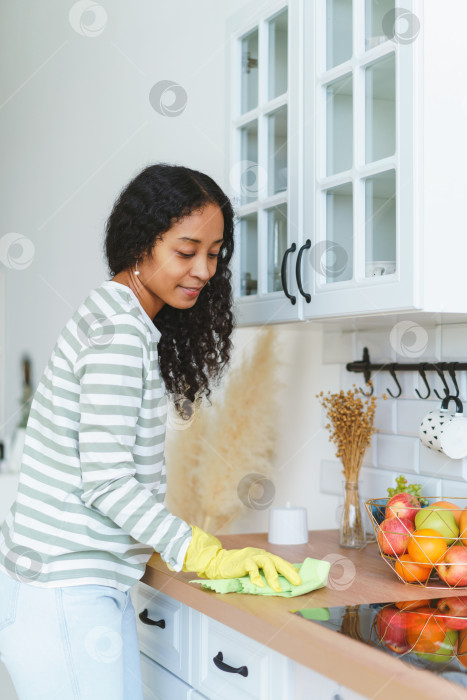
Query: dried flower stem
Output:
(351,426)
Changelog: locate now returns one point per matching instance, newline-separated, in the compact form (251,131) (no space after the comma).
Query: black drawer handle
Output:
(143,616)
(218,660)
(298,270)
(284,273)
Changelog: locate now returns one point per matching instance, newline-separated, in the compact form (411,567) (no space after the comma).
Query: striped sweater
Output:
(89,508)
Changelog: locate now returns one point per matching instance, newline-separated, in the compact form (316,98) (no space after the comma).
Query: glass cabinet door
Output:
(355,132)
(260,172)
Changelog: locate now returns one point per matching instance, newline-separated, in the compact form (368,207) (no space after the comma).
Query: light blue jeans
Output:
(69,643)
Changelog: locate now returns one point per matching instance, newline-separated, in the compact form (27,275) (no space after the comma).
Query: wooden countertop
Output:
(357,576)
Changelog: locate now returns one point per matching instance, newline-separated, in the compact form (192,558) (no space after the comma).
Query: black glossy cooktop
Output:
(430,634)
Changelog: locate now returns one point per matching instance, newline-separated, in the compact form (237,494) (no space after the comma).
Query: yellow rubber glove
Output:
(206,558)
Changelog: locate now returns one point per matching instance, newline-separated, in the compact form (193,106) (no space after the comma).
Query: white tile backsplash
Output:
(378,344)
(396,448)
(450,489)
(410,341)
(397,453)
(410,413)
(437,464)
(454,342)
(385,416)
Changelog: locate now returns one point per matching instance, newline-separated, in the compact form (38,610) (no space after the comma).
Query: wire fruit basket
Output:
(423,545)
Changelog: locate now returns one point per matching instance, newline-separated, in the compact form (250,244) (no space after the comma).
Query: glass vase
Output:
(352,529)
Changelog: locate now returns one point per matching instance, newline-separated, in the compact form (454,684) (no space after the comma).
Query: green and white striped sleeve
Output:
(111,371)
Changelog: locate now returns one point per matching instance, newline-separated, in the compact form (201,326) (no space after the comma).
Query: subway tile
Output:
(375,482)
(454,342)
(398,453)
(454,489)
(410,413)
(370,456)
(338,346)
(437,464)
(385,415)
(414,342)
(377,342)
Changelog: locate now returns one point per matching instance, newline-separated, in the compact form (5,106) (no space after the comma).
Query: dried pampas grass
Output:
(211,462)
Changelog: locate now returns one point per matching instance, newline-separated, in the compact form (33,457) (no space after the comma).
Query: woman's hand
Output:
(206,557)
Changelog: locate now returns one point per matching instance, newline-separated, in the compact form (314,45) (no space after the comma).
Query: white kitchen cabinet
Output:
(376,151)
(264,143)
(193,656)
(228,665)
(160,684)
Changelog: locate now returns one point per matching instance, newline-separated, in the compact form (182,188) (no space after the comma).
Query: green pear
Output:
(445,651)
(439,519)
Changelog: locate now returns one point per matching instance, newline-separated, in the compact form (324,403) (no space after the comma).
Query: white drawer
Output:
(311,685)
(160,684)
(269,674)
(168,644)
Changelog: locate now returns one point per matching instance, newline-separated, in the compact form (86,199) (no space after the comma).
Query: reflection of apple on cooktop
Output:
(430,634)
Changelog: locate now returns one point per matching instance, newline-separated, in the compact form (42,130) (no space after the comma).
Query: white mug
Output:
(446,431)
(288,525)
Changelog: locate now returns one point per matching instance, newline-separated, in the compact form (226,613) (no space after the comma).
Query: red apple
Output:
(391,626)
(402,505)
(455,610)
(394,535)
(453,566)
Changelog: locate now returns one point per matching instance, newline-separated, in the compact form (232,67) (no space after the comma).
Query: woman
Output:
(89,511)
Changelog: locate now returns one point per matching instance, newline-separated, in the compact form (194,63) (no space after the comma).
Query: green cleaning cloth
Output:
(313,572)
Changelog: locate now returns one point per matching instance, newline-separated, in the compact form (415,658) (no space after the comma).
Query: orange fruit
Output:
(425,631)
(462,648)
(426,546)
(410,570)
(455,510)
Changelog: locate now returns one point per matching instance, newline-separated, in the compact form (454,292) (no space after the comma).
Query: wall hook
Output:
(421,371)
(392,372)
(440,373)
(367,372)
(451,367)
(370,393)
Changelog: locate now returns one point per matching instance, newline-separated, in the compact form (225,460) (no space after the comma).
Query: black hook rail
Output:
(365,366)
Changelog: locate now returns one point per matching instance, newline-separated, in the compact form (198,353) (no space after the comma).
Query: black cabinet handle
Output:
(218,660)
(143,616)
(298,270)
(284,273)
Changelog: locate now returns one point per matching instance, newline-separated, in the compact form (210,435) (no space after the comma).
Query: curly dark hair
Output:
(195,343)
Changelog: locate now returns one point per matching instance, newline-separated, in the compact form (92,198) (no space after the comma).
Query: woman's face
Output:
(181,262)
